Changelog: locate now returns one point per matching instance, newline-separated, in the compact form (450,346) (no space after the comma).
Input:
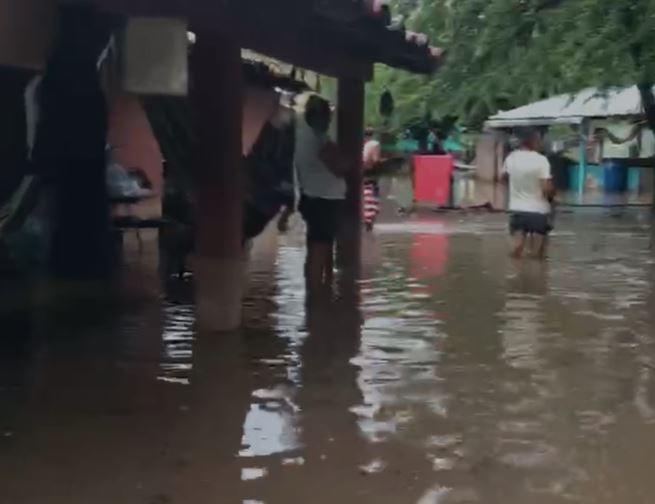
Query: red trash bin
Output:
(432,179)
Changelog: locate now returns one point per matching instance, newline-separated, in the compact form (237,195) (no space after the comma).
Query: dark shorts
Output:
(529,222)
(323,218)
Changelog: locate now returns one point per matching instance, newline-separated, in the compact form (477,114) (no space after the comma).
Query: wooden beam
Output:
(293,36)
(310,54)
(350,133)
(288,32)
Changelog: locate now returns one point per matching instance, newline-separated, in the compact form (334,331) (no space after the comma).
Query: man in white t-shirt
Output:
(530,191)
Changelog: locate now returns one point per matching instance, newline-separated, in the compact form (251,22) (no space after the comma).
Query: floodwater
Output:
(449,375)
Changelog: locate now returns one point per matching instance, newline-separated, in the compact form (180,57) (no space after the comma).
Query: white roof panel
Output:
(573,108)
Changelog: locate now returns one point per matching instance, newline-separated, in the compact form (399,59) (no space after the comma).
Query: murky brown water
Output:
(452,375)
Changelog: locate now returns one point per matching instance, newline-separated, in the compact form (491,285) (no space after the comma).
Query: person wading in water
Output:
(321,169)
(530,192)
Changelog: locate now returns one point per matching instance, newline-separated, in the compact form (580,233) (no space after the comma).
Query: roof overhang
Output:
(499,123)
(340,41)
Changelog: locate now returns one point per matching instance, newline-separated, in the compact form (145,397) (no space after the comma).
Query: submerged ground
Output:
(451,375)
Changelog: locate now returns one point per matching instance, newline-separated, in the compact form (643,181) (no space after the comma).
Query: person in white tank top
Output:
(530,190)
(320,170)
(316,180)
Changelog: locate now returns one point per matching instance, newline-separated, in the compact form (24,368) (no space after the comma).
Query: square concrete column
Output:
(350,133)
(217,96)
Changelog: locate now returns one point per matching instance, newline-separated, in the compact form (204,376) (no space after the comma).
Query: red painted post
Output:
(217,94)
(350,133)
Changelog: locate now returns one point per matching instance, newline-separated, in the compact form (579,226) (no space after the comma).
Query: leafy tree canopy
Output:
(504,53)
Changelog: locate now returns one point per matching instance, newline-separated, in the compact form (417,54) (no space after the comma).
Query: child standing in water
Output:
(372,155)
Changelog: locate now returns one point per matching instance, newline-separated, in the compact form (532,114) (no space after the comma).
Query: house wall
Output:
(135,147)
(135,144)
(489,153)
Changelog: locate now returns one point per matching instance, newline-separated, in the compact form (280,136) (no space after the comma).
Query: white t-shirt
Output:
(526,170)
(314,177)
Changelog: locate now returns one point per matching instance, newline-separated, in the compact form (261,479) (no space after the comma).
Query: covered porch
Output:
(341,39)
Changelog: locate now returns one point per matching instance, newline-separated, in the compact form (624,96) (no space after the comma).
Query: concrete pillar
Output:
(217,95)
(350,134)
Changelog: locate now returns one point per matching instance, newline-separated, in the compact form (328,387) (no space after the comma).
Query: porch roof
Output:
(341,38)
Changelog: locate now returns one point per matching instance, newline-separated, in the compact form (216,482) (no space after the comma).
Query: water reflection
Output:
(178,336)
(271,425)
(448,374)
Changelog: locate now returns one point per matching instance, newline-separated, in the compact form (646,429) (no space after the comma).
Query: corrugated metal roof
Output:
(572,108)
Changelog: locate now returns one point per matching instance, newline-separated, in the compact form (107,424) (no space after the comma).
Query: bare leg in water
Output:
(318,268)
(540,246)
(328,272)
(518,246)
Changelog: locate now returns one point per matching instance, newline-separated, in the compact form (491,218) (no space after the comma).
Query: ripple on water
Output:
(490,377)
(178,336)
(271,425)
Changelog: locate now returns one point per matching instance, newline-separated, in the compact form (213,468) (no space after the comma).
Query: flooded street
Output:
(451,374)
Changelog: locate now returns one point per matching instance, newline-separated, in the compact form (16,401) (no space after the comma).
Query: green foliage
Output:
(504,53)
